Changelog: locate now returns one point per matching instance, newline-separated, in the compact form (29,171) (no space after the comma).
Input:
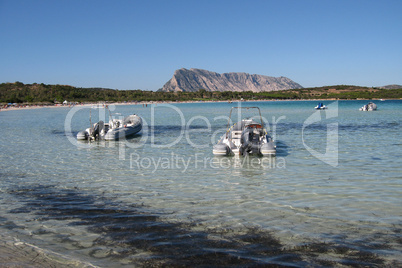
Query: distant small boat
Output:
(114,130)
(320,106)
(245,137)
(369,107)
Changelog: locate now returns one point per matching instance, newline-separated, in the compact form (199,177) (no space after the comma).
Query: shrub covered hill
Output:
(40,93)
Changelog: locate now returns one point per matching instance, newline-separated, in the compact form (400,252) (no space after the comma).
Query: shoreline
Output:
(28,106)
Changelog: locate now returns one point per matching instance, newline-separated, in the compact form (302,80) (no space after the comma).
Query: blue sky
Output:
(139,44)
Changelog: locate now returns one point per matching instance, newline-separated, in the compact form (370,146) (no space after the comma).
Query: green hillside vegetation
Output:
(40,93)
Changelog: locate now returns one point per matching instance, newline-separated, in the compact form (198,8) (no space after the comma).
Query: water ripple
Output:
(126,234)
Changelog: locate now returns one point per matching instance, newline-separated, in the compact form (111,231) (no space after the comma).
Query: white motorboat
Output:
(114,130)
(320,106)
(371,106)
(245,137)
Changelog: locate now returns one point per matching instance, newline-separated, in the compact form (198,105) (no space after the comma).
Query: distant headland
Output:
(192,80)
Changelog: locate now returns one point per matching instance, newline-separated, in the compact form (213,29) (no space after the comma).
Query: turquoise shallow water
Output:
(330,197)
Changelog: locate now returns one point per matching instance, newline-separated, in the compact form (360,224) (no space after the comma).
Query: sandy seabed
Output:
(15,253)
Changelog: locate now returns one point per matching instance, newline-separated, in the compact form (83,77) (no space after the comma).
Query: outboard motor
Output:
(250,141)
(98,129)
(245,141)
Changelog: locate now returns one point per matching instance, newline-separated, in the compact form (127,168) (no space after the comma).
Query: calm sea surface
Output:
(331,197)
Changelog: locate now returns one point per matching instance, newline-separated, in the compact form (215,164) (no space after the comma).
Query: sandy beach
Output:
(24,107)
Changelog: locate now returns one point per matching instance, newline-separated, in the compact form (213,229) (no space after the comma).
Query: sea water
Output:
(331,196)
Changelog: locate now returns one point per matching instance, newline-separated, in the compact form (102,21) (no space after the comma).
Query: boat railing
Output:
(99,106)
(245,108)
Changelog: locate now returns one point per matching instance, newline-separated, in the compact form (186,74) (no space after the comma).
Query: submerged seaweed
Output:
(125,230)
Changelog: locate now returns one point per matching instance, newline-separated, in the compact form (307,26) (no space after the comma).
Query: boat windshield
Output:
(241,110)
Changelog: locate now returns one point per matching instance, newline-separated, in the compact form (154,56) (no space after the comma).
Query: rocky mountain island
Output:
(192,80)
(392,86)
